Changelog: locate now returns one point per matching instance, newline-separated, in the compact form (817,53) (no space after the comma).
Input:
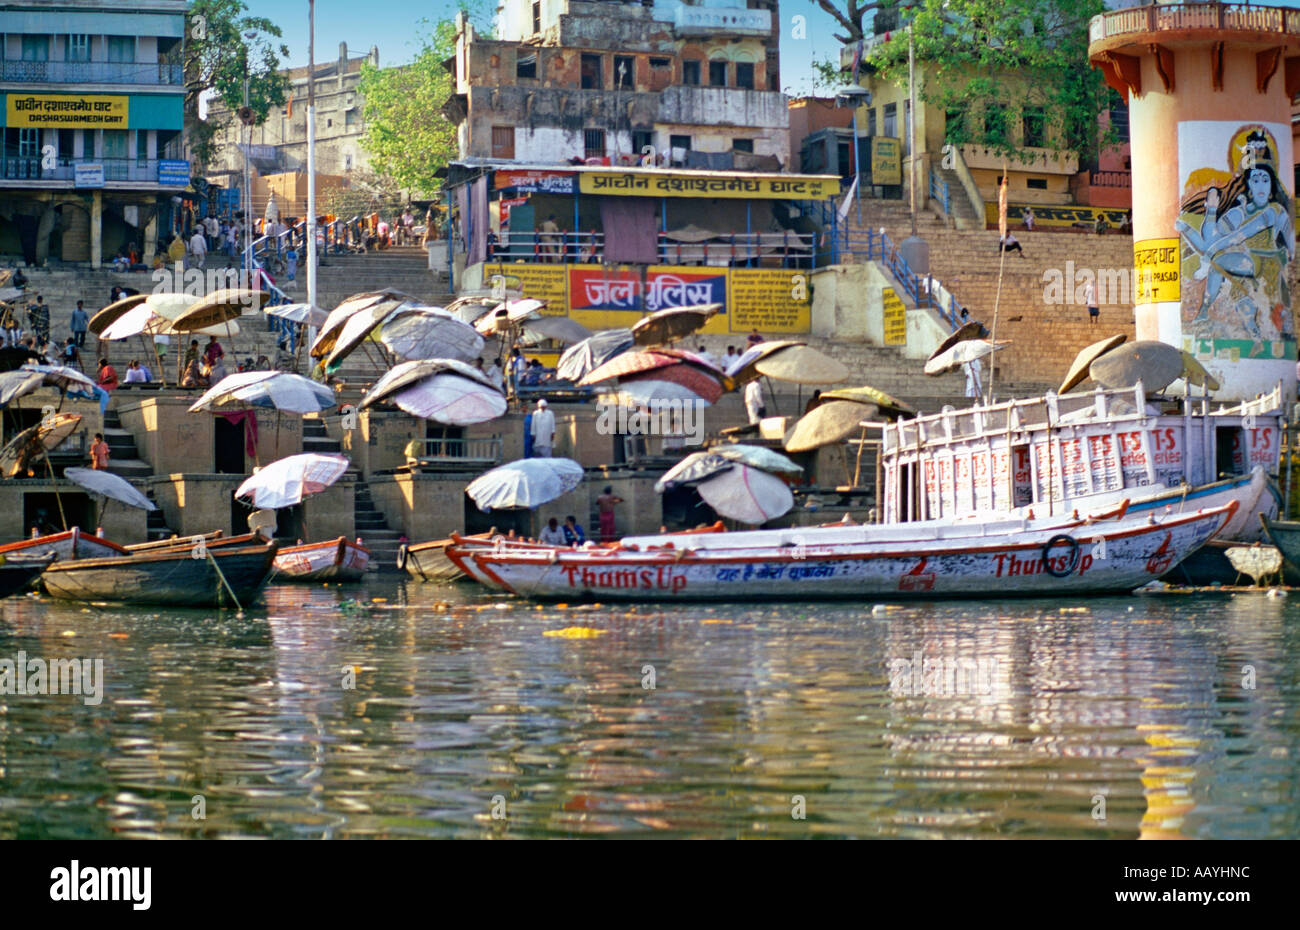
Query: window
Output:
(1036,184)
(657,64)
(907,127)
(743,145)
(718,73)
(592,78)
(871,121)
(115,143)
(1119,118)
(537,16)
(624,71)
(745,75)
(995,124)
(142,146)
(36,48)
(78,48)
(66,137)
(88,143)
(690,72)
(593,143)
(503,142)
(350,120)
(526,67)
(890,129)
(679,142)
(1035,127)
(347,162)
(29,143)
(121,48)
(641,140)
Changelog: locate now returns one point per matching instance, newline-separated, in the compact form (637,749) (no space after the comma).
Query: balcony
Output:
(1209,20)
(91,72)
(129,170)
(723,106)
(698,20)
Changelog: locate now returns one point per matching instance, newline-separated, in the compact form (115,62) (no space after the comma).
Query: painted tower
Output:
(1209,87)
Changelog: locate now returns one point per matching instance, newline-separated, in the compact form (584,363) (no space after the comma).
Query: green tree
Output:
(850,14)
(218,55)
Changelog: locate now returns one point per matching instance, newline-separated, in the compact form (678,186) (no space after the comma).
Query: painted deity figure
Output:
(1248,246)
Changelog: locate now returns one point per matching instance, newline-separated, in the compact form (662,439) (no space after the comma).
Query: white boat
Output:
(1053,454)
(339,559)
(66,546)
(930,559)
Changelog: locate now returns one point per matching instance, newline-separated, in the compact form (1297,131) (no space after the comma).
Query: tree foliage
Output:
(983,55)
(218,55)
(850,15)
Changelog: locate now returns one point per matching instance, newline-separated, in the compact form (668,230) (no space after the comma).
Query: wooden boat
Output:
(339,559)
(427,561)
(935,559)
(1285,534)
(175,542)
(19,573)
(68,545)
(1051,454)
(171,577)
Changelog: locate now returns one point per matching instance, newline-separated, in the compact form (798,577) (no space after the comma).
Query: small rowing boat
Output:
(68,545)
(923,559)
(339,559)
(19,573)
(174,577)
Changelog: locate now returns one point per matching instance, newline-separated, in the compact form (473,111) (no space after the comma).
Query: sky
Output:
(390,24)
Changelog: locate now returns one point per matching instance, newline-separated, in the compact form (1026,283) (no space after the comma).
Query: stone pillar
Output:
(1209,91)
(150,244)
(96,229)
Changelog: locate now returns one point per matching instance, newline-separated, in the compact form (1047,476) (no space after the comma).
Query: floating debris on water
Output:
(576,632)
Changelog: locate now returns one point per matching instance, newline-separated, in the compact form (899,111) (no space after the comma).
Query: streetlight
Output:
(855,96)
(246,117)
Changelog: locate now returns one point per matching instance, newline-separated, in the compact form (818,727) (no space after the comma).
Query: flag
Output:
(848,199)
(1002,207)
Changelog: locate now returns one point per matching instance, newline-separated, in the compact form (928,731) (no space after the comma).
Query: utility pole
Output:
(911,120)
(311,153)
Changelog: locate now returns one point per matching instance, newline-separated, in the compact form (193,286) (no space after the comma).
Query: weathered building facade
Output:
(576,79)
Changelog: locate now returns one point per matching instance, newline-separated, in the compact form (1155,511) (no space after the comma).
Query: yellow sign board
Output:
(541,282)
(771,300)
(886,160)
(1057,217)
(895,317)
(66,111)
(1156,263)
(685,184)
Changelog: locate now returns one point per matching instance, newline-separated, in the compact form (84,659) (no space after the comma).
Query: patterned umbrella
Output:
(582,358)
(287,481)
(747,494)
(339,316)
(526,483)
(428,332)
(279,389)
(442,389)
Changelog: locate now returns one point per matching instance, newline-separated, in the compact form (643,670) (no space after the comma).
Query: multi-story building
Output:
(91,110)
(280,142)
(576,79)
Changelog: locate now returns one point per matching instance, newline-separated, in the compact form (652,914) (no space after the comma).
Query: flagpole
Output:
(311,152)
(1002,260)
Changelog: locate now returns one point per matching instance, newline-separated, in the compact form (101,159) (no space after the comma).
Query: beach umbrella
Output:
(105,317)
(672,323)
(469,309)
(760,457)
(1155,364)
(633,363)
(701,465)
(138,321)
(679,381)
(971,330)
(442,389)
(865,394)
(584,357)
(787,360)
(962,353)
(746,494)
(18,383)
(61,377)
(8,294)
(526,483)
(282,390)
(218,308)
(46,435)
(560,328)
(828,423)
(309,314)
(1194,373)
(503,315)
(1078,372)
(428,332)
(339,316)
(109,485)
(287,481)
(693,469)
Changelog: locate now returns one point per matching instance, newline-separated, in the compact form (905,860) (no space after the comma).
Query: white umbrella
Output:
(60,376)
(16,384)
(428,332)
(961,353)
(330,329)
(287,481)
(645,392)
(526,483)
(109,485)
(592,352)
(747,494)
(298,313)
(279,389)
(442,389)
(560,328)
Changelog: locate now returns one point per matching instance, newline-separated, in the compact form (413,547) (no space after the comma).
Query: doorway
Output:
(228,446)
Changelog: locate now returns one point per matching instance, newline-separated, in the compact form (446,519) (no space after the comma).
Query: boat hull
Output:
(428,561)
(17,575)
(167,578)
(68,545)
(339,559)
(1110,557)
(1285,534)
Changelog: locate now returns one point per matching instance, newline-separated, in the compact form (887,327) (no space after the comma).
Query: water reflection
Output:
(414,710)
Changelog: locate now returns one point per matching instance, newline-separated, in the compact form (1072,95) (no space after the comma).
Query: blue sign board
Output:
(88,176)
(174,173)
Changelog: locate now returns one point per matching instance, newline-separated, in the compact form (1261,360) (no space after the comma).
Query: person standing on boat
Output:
(99,453)
(552,535)
(754,401)
(542,430)
(605,505)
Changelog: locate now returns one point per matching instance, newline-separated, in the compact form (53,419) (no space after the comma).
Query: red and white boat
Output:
(66,546)
(923,559)
(339,559)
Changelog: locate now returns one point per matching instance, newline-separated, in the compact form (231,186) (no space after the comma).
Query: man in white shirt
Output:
(135,374)
(708,356)
(198,248)
(552,534)
(730,358)
(493,371)
(543,430)
(754,401)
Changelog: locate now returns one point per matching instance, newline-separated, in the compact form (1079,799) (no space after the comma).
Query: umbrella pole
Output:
(771,390)
(157,360)
(997,298)
(857,467)
(57,496)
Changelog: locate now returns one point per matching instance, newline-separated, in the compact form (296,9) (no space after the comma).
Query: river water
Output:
(473,716)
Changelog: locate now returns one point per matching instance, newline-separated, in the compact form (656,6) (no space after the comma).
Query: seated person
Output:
(192,377)
(533,375)
(135,374)
(107,375)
